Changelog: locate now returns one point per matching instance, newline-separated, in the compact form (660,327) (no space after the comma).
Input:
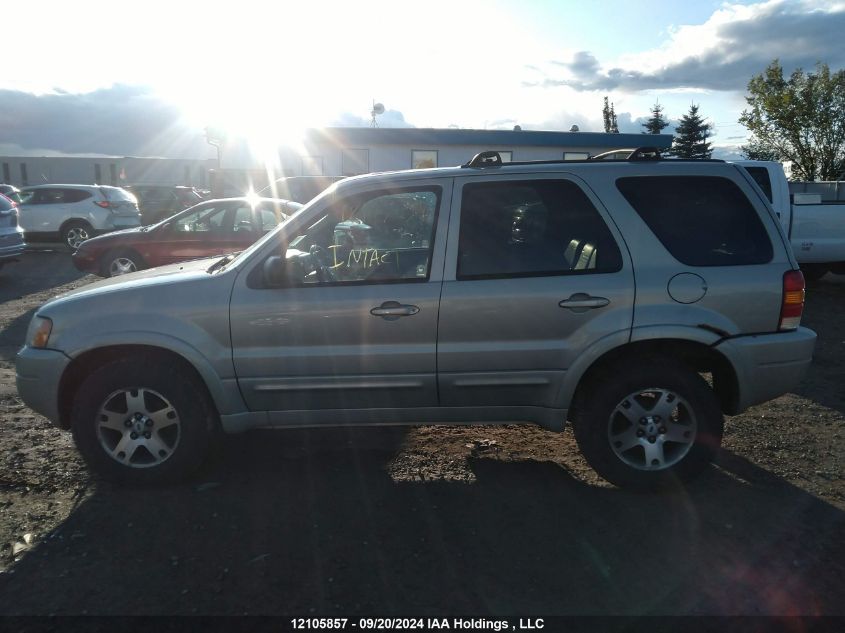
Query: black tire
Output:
(686,444)
(75,232)
(120,262)
(184,440)
(813,272)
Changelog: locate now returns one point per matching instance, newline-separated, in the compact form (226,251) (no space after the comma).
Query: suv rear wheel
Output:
(142,421)
(652,422)
(76,232)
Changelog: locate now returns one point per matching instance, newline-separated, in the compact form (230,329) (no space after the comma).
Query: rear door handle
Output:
(581,302)
(394,310)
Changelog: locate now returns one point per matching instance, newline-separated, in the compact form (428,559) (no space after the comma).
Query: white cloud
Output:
(735,43)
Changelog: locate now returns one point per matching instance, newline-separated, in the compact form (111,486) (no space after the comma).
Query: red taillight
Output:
(103,203)
(792,304)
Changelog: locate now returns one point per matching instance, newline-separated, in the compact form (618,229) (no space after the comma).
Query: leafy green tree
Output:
(801,119)
(691,136)
(657,122)
(611,126)
(757,151)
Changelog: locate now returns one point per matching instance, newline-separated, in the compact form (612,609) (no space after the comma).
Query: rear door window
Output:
(532,228)
(47,196)
(700,220)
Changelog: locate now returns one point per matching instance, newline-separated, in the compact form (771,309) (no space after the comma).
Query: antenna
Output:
(378,108)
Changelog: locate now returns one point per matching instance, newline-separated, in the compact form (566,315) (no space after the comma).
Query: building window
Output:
(312,165)
(575,156)
(24,177)
(507,156)
(6,175)
(98,174)
(354,162)
(113,173)
(423,158)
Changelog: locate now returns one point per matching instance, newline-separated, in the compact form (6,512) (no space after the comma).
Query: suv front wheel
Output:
(649,423)
(138,420)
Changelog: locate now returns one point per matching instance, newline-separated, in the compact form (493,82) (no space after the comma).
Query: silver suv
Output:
(73,213)
(600,292)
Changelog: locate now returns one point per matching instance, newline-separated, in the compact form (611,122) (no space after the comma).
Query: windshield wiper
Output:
(221,263)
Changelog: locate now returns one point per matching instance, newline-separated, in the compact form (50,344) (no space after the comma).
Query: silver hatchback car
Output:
(600,292)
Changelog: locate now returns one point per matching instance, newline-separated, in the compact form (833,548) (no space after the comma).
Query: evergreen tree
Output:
(657,121)
(608,114)
(691,136)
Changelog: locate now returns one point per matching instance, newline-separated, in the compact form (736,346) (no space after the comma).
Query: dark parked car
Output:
(299,188)
(210,228)
(161,201)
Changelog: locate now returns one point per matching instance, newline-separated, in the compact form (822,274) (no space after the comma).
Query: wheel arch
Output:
(74,220)
(696,354)
(81,367)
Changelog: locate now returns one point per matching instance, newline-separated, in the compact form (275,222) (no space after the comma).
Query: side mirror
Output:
(280,271)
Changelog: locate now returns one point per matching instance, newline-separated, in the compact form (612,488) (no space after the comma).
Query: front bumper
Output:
(768,365)
(38,373)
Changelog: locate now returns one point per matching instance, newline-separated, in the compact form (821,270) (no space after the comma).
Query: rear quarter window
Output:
(75,195)
(700,220)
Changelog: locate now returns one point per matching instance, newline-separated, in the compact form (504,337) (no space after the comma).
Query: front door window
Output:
(377,237)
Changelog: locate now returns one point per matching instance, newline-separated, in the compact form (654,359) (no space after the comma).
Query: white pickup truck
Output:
(816,229)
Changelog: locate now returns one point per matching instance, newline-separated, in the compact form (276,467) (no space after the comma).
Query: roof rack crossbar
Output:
(484,159)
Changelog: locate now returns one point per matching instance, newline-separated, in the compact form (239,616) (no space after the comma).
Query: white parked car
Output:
(73,213)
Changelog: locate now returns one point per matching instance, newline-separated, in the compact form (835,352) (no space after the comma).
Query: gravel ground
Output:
(427,520)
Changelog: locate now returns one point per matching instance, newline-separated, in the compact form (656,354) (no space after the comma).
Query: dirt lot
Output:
(427,520)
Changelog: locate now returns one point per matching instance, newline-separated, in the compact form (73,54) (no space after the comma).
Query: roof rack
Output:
(639,154)
(485,159)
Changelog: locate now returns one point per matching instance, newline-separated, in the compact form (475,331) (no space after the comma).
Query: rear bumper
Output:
(12,245)
(768,365)
(38,373)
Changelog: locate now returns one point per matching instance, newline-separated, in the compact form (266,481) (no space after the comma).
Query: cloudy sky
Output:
(144,78)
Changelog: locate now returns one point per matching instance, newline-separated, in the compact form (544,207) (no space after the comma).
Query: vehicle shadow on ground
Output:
(12,336)
(37,271)
(311,522)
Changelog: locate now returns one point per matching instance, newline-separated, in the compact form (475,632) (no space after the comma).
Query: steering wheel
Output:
(321,262)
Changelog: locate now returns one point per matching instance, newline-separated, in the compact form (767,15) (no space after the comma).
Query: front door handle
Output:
(393,310)
(581,302)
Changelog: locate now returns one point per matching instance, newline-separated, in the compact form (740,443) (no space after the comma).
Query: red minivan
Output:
(210,228)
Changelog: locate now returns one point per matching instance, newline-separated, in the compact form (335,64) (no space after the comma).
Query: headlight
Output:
(39,331)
